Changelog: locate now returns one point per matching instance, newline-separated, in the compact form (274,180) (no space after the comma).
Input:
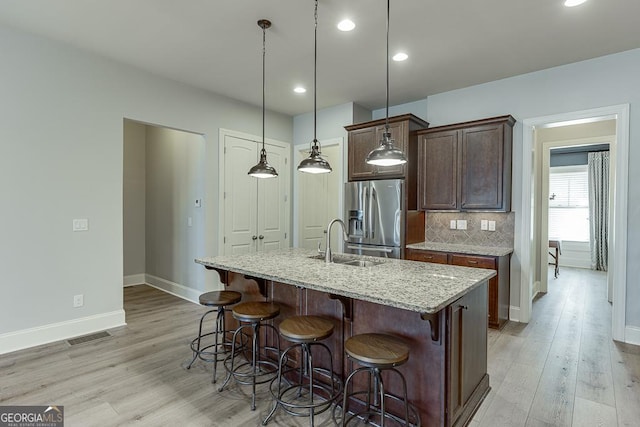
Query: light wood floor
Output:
(562,369)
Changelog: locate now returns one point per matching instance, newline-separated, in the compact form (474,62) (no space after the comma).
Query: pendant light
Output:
(386,154)
(315,163)
(263,169)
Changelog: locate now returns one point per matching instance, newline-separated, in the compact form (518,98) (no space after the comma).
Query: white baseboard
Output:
(32,337)
(133,279)
(173,288)
(514,313)
(632,335)
(536,289)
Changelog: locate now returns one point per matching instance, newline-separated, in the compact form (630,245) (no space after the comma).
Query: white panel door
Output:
(256,211)
(240,196)
(319,201)
(273,204)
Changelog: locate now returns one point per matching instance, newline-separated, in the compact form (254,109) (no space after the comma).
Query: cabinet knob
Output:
(472,262)
(254,237)
(261,237)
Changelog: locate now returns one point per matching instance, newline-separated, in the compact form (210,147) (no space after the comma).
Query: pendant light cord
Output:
(264,49)
(315,72)
(386,123)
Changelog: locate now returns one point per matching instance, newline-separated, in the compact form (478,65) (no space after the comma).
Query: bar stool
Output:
(308,396)
(209,353)
(257,369)
(375,353)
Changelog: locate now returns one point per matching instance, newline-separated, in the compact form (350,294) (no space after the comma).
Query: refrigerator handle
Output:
(373,202)
(365,219)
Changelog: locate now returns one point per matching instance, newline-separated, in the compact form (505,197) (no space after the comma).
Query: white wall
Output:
(417,108)
(133,195)
(61,157)
(605,81)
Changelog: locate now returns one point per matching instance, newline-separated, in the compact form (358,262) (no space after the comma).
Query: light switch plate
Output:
(81,224)
(452,224)
(484,224)
(492,226)
(461,224)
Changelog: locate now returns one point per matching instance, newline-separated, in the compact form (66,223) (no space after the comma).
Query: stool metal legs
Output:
(256,374)
(379,395)
(293,404)
(217,347)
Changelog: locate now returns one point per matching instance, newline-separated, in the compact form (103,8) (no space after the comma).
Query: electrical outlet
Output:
(492,226)
(484,225)
(78,300)
(461,224)
(452,224)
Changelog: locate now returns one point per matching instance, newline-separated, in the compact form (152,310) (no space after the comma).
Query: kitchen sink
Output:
(356,262)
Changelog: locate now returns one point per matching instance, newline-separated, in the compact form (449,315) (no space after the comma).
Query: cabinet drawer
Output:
(427,256)
(474,261)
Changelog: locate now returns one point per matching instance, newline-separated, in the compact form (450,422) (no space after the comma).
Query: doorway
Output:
(530,233)
(570,145)
(163,209)
(319,198)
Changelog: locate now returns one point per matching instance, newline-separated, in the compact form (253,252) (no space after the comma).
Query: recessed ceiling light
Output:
(400,56)
(346,25)
(572,3)
(299,89)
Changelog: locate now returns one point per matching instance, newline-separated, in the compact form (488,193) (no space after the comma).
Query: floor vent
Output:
(87,338)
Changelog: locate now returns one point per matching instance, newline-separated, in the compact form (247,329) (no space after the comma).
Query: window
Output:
(569,203)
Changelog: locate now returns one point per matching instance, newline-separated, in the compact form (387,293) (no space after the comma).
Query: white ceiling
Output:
(216,44)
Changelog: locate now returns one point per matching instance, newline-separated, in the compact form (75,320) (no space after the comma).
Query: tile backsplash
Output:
(437,228)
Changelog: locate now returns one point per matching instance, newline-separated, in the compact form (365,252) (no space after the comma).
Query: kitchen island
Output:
(440,310)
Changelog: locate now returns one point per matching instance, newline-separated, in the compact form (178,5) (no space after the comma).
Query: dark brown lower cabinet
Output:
(467,355)
(498,285)
(447,368)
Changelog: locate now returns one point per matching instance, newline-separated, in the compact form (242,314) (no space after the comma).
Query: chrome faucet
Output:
(328,257)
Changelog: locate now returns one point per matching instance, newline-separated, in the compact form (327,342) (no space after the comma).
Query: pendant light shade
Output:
(315,163)
(386,154)
(263,169)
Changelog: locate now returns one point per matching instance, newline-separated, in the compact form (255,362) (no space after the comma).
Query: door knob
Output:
(254,237)
(261,237)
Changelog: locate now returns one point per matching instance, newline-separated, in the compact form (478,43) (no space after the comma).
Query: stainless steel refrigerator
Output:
(374,217)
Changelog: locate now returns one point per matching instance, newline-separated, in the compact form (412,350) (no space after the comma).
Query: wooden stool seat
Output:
(377,350)
(306,328)
(217,298)
(255,311)
(377,353)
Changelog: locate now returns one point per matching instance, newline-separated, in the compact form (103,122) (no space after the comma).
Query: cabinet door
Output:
(482,167)
(438,171)
(361,142)
(398,132)
(467,349)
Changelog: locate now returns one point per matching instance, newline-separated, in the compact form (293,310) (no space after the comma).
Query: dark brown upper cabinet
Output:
(364,137)
(466,166)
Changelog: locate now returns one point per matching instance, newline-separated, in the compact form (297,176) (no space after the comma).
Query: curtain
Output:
(598,164)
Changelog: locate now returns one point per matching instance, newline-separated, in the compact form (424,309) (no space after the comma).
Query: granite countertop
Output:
(410,285)
(462,249)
